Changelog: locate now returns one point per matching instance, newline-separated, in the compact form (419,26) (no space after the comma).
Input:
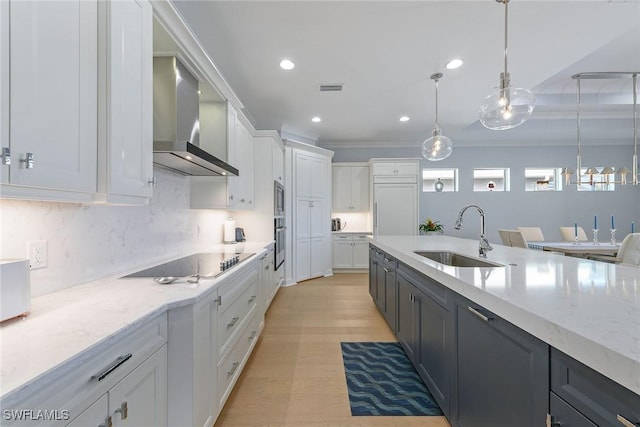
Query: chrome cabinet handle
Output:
(252,299)
(234,367)
(386,270)
(153,181)
(6,156)
(218,300)
(123,410)
(253,335)
(478,314)
(625,422)
(112,367)
(233,322)
(107,423)
(28,161)
(231,197)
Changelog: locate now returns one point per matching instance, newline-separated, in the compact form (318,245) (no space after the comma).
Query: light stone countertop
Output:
(587,309)
(67,325)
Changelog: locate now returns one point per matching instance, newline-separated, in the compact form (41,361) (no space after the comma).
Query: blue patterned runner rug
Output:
(382,381)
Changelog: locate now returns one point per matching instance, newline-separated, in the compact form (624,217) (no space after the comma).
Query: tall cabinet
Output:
(394,182)
(308,198)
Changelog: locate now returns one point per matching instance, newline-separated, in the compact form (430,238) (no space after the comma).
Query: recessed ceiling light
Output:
(454,63)
(287,64)
(405,118)
(316,119)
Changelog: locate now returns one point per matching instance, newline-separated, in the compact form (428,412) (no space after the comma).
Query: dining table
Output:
(577,248)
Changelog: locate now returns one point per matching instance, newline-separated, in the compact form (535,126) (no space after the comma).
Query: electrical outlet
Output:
(37,251)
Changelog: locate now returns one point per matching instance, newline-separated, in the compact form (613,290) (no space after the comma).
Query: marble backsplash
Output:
(89,242)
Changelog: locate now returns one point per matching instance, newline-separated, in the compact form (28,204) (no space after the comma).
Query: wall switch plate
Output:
(37,251)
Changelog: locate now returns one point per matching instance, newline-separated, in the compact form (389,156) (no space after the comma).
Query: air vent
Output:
(331,88)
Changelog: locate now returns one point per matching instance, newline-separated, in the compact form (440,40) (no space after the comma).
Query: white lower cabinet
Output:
(123,379)
(140,399)
(350,251)
(209,343)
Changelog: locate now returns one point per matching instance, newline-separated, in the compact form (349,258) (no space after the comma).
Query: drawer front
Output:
(600,399)
(231,365)
(81,381)
(232,318)
(565,415)
(342,238)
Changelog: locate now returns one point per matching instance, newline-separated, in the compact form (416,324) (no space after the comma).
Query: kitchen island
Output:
(586,310)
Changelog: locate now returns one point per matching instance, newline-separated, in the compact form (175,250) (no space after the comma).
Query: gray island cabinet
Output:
(483,369)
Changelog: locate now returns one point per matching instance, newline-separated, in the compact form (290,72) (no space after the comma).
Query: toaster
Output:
(15,288)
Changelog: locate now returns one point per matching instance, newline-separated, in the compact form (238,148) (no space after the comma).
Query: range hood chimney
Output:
(176,125)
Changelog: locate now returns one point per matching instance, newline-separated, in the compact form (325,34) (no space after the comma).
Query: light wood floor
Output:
(295,376)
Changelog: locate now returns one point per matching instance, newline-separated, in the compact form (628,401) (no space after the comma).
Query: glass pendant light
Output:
(438,147)
(507,107)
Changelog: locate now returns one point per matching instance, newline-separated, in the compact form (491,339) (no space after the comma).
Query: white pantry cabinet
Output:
(125,102)
(350,187)
(50,89)
(310,189)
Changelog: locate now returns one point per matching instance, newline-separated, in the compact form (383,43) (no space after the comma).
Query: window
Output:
(437,180)
(542,179)
(491,179)
(596,182)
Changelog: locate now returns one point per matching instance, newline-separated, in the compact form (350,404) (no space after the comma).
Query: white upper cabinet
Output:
(350,188)
(394,167)
(126,94)
(51,84)
(240,156)
(76,109)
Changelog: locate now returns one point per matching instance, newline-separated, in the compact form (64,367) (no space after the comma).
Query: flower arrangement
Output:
(429,226)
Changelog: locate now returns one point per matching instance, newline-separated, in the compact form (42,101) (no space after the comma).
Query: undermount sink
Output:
(456,260)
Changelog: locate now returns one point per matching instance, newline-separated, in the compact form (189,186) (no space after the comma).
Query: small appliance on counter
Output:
(15,288)
(229,232)
(337,225)
(240,237)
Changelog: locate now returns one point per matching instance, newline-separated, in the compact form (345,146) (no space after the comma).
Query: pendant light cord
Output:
(436,80)
(506,25)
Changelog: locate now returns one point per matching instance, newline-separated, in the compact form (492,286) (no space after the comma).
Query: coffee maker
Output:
(335,224)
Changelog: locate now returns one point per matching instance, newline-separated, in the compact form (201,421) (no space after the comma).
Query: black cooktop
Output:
(204,264)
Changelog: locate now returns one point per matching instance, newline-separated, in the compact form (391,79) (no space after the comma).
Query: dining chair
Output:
(517,238)
(532,234)
(568,234)
(504,236)
(629,252)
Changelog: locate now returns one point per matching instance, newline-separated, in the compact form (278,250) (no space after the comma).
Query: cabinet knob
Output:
(6,156)
(153,181)
(242,200)
(231,197)
(123,410)
(28,161)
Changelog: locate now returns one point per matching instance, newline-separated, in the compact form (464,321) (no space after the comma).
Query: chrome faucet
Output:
(485,246)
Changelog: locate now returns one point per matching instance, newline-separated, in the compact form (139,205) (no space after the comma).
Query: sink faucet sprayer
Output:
(484,243)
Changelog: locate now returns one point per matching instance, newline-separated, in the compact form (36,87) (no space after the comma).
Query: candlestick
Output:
(595,235)
(613,236)
(613,223)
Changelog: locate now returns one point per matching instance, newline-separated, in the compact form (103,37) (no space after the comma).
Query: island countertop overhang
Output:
(586,309)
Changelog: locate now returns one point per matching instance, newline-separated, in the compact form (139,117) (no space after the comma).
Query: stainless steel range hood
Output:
(176,125)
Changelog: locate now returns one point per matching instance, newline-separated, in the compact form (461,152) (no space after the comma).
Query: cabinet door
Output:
(317,221)
(319,178)
(373,270)
(342,252)
(317,257)
(406,168)
(435,348)
(4,87)
(303,218)
(205,361)
(360,252)
(278,163)
(388,218)
(566,415)
(53,101)
(245,145)
(233,157)
(140,399)
(503,372)
(390,292)
(95,415)
(303,259)
(360,188)
(129,97)
(341,184)
(405,316)
(303,174)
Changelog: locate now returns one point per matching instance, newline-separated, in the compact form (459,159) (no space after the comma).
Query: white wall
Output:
(548,210)
(91,242)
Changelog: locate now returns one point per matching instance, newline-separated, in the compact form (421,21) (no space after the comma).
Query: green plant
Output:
(430,225)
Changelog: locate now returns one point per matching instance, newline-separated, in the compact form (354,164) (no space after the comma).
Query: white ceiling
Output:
(385,51)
